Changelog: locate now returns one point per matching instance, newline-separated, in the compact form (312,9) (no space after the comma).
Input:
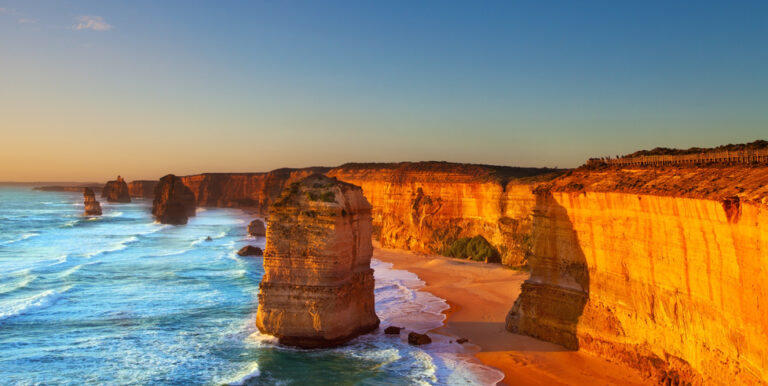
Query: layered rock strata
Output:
(628,267)
(92,207)
(426,206)
(174,203)
(142,188)
(317,289)
(255,191)
(116,191)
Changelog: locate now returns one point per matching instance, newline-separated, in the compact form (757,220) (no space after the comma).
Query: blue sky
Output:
(149,87)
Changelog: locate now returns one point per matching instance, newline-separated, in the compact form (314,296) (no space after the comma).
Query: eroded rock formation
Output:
(174,203)
(317,289)
(116,191)
(665,272)
(427,206)
(92,207)
(142,188)
(257,228)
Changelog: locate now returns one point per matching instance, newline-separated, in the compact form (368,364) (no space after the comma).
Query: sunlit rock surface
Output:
(317,289)
(671,285)
(142,188)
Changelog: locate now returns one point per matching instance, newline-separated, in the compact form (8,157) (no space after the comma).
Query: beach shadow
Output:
(552,300)
(493,337)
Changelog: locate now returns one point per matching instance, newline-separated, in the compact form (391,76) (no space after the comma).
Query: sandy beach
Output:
(480,295)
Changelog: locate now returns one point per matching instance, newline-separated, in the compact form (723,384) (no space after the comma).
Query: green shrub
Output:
(475,248)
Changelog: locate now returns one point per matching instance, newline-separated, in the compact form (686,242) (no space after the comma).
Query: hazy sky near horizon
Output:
(92,89)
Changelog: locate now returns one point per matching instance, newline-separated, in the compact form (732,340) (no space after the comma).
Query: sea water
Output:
(120,299)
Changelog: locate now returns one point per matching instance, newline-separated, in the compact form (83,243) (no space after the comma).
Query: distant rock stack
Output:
(142,188)
(92,207)
(257,228)
(174,203)
(317,289)
(116,191)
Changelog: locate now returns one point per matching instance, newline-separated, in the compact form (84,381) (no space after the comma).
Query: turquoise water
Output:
(119,299)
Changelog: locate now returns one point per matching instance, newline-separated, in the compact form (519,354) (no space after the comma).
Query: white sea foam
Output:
(17,307)
(114,248)
(253,372)
(20,238)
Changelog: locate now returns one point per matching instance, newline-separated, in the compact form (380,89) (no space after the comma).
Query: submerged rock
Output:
(417,339)
(257,228)
(174,203)
(116,191)
(92,207)
(250,250)
(317,289)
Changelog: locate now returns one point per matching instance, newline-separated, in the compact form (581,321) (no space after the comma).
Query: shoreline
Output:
(479,296)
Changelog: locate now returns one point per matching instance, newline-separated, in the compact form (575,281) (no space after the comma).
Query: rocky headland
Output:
(174,203)
(116,191)
(317,289)
(92,207)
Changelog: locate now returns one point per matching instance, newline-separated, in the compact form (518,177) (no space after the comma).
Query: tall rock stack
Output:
(92,207)
(174,203)
(317,289)
(116,191)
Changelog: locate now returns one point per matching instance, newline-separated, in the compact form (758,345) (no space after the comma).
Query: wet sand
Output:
(480,295)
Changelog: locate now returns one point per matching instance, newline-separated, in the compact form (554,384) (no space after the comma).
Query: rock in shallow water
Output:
(257,228)
(392,330)
(116,191)
(317,289)
(174,203)
(92,207)
(250,250)
(417,339)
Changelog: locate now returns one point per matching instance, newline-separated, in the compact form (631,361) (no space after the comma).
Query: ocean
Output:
(120,299)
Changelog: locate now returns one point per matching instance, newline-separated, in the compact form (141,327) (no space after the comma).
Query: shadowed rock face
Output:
(174,203)
(92,207)
(257,228)
(116,191)
(317,289)
(142,188)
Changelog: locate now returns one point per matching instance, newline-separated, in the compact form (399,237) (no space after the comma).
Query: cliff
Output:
(427,206)
(68,188)
(252,190)
(174,203)
(116,191)
(317,288)
(142,188)
(92,207)
(662,269)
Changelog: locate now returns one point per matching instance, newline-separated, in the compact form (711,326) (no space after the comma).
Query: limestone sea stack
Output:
(257,228)
(317,289)
(116,191)
(92,207)
(174,203)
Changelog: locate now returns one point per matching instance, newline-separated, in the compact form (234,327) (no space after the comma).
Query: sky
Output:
(92,89)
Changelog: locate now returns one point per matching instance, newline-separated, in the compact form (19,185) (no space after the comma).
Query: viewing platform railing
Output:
(735,156)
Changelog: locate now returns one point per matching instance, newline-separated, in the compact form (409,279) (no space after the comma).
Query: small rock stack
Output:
(92,207)
(116,191)
(174,203)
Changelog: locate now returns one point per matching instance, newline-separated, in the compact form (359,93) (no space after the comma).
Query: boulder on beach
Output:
(257,228)
(250,250)
(116,191)
(174,203)
(92,207)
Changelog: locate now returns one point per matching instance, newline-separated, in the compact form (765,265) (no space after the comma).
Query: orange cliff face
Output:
(663,271)
(142,188)
(425,206)
(253,190)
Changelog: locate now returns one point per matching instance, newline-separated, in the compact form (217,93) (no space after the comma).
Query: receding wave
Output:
(114,248)
(40,301)
(20,238)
